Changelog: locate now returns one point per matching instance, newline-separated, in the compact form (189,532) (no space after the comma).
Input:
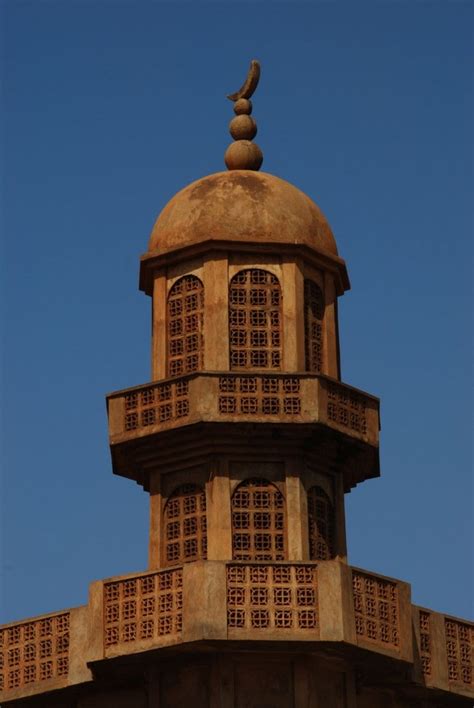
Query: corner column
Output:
(158,352)
(219,526)
(216,321)
(293,321)
(330,354)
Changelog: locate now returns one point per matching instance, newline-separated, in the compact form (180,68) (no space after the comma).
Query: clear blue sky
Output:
(111,107)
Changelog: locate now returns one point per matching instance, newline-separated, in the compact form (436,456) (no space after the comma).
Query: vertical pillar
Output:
(219,525)
(293,321)
(340,519)
(216,320)
(330,354)
(296,511)
(95,622)
(158,353)
(154,546)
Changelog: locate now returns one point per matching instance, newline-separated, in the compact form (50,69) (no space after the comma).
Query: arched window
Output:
(185,326)
(184,526)
(258,521)
(321,524)
(313,326)
(255,320)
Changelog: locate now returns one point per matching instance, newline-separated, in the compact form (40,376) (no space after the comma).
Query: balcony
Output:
(308,401)
(358,616)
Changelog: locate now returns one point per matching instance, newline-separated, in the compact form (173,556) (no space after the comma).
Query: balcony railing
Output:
(142,610)
(35,652)
(300,601)
(237,397)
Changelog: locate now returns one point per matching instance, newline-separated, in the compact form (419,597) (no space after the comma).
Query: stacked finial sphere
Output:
(243,154)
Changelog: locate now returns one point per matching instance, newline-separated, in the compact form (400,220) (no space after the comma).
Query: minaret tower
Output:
(246,441)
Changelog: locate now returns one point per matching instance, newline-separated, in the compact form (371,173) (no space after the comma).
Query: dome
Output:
(241,205)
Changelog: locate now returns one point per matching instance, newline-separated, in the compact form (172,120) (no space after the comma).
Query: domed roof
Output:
(241,205)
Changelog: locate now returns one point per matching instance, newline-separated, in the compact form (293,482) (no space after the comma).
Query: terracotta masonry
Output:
(246,441)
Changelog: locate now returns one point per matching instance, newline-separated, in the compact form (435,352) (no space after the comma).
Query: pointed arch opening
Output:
(258,521)
(185,526)
(255,321)
(185,317)
(321,523)
(313,326)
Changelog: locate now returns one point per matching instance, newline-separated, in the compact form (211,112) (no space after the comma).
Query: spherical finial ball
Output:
(243,155)
(243,106)
(243,128)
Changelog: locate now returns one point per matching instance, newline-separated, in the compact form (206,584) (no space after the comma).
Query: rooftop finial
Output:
(243,154)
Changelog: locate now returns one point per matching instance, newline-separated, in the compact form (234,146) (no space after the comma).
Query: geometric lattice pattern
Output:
(321,524)
(313,326)
(376,608)
(156,404)
(255,336)
(34,651)
(425,642)
(184,526)
(346,407)
(272,597)
(460,650)
(185,326)
(144,607)
(259,395)
(258,521)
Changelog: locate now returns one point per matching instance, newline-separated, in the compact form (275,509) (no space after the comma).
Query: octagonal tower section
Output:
(246,438)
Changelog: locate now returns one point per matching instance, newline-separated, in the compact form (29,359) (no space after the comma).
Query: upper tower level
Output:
(243,269)
(243,240)
(246,401)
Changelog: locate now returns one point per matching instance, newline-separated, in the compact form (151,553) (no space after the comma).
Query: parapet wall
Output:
(364,617)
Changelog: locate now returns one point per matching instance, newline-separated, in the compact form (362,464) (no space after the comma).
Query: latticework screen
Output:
(346,407)
(258,521)
(34,651)
(321,524)
(156,404)
(313,326)
(376,607)
(143,607)
(460,650)
(185,326)
(255,327)
(259,395)
(425,642)
(184,526)
(277,597)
